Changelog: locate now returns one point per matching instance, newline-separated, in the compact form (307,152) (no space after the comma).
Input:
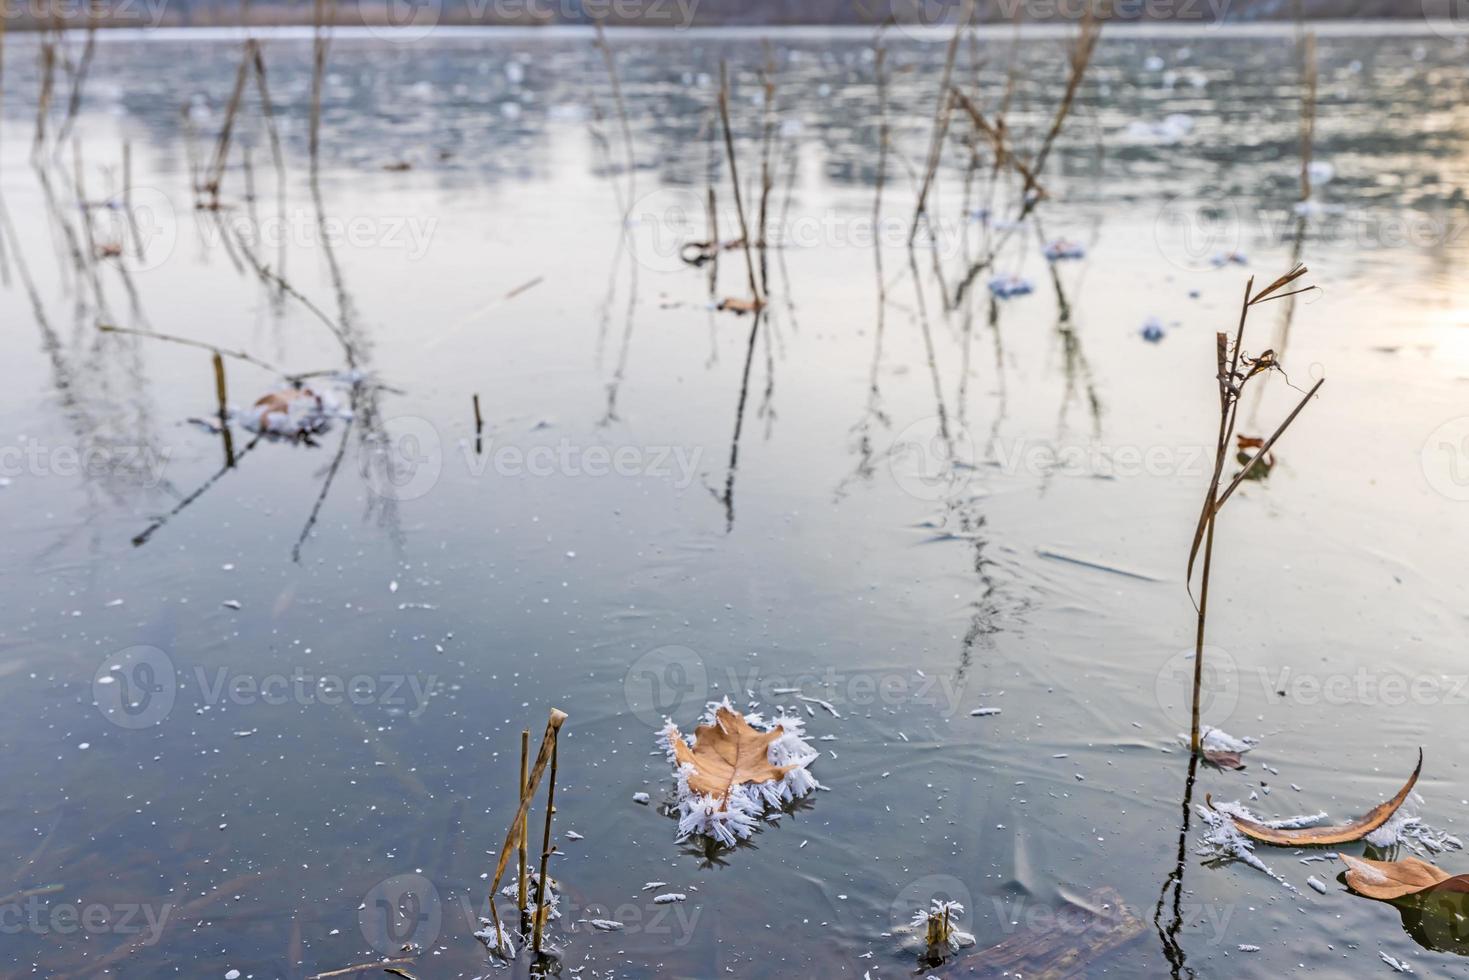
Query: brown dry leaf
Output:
(740,306)
(1388,880)
(1223,759)
(727,754)
(280,402)
(1315,836)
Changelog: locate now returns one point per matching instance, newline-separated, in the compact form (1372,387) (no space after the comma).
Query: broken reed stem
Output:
(734,176)
(524,767)
(540,913)
(543,757)
(1308,109)
(220,390)
(941,118)
(221,394)
(1232,381)
(479,420)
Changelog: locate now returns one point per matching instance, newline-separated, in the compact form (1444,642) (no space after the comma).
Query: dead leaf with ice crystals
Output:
(1224,759)
(1391,880)
(1317,836)
(727,754)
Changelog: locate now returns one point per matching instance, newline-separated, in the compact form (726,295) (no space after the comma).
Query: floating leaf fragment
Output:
(734,304)
(1391,880)
(1316,836)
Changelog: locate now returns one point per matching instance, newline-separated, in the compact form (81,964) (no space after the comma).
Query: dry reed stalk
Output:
(520,876)
(278,157)
(320,43)
(1308,109)
(606,49)
(79,184)
(880,64)
(127,199)
(711,200)
(543,757)
(84,65)
(226,130)
(339,330)
(375,965)
(1234,371)
(941,116)
(1080,57)
(734,176)
(43,100)
(711,214)
(767,179)
(220,389)
(326,487)
(221,394)
(540,914)
(995,133)
(172,339)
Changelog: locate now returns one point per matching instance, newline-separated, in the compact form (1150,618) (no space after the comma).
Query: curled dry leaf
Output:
(1389,880)
(1316,836)
(728,753)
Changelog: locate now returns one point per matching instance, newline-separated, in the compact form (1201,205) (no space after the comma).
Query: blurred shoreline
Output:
(909,17)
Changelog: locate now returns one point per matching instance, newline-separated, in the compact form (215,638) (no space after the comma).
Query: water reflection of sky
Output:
(817,559)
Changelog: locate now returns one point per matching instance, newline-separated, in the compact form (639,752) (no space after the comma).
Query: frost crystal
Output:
(735,817)
(1224,842)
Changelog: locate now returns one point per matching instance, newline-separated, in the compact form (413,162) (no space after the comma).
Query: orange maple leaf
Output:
(727,754)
